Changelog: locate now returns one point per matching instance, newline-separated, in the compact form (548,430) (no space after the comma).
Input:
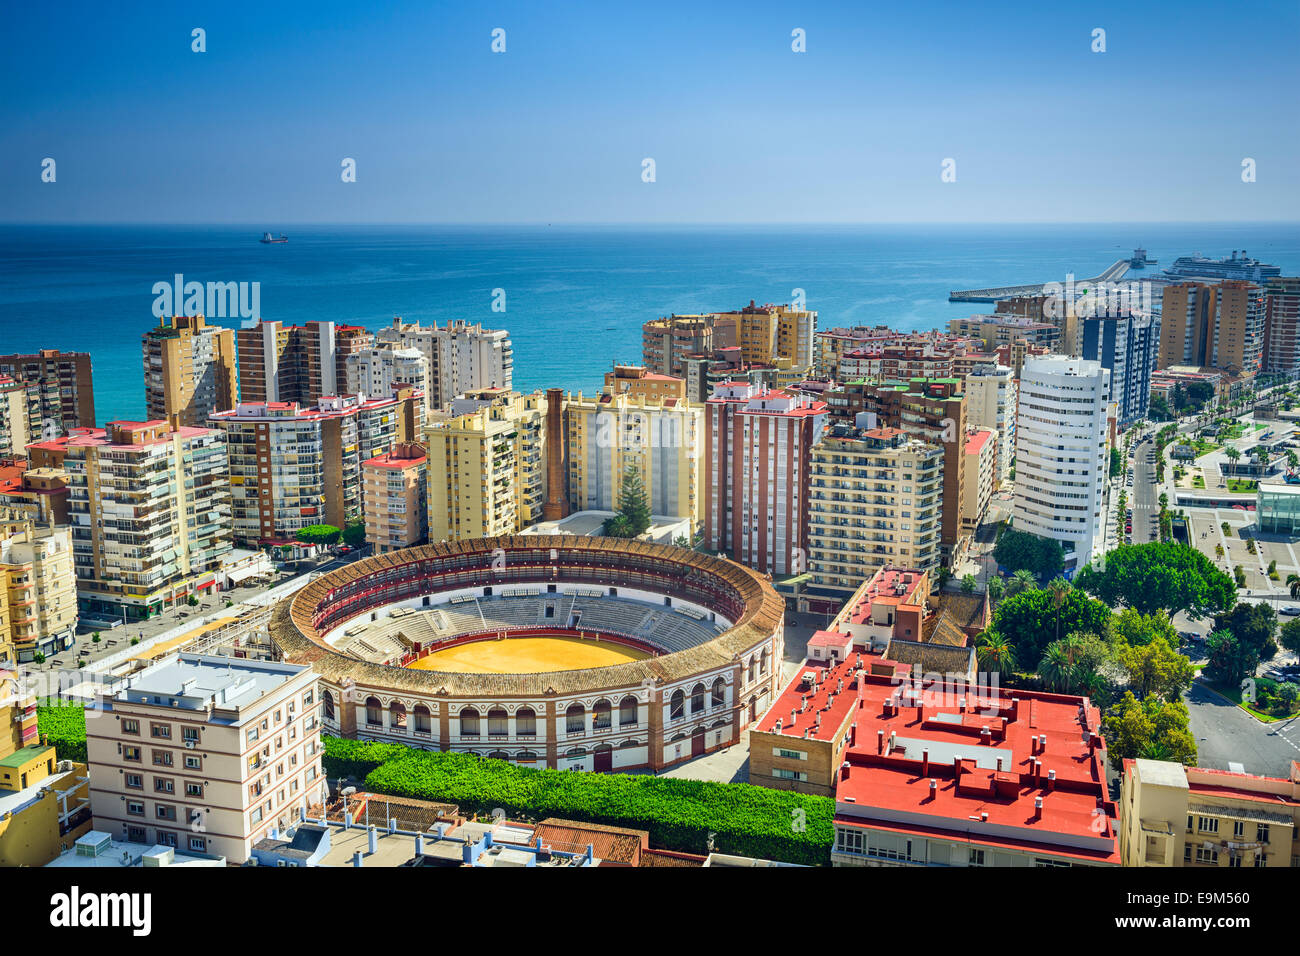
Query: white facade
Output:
(991,402)
(375,372)
(462,357)
(1061,457)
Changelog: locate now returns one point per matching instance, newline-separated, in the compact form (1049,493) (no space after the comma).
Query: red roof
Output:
(976,441)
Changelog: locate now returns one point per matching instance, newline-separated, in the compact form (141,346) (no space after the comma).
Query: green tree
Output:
(997,587)
(1254,625)
(1020,550)
(1020,582)
(994,654)
(1232,455)
(1028,620)
(1116,463)
(1133,728)
(1290,636)
(633,508)
(354,535)
(1136,629)
(968,584)
(942,576)
(1160,576)
(1230,659)
(318,534)
(1155,668)
(1293,582)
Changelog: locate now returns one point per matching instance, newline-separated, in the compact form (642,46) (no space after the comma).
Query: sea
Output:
(572,297)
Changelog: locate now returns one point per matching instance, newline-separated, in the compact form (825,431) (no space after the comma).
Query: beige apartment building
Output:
(376,372)
(768,332)
(661,438)
(875,500)
(666,343)
(38,588)
(206,754)
(638,382)
(992,402)
(980,462)
(150,512)
(296,363)
(1174,815)
(61,384)
(15,420)
(487,471)
(1213,326)
(189,370)
(394,497)
(293,466)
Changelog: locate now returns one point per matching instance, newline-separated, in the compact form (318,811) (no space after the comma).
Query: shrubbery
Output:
(64,726)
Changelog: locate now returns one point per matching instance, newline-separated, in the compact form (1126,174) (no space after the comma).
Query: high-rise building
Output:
(293,466)
(1126,345)
(207,754)
(1217,326)
(666,343)
(661,438)
(636,381)
(296,363)
(189,370)
(981,465)
(393,497)
(1061,453)
(15,421)
(487,469)
(757,475)
(65,394)
(875,499)
(768,332)
(991,400)
(378,371)
(995,330)
(933,410)
(463,357)
(38,587)
(1282,326)
(150,512)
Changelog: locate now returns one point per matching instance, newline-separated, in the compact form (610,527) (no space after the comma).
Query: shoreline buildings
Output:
(189,371)
(296,363)
(61,385)
(462,357)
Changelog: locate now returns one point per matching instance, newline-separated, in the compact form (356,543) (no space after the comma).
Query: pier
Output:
(1114,273)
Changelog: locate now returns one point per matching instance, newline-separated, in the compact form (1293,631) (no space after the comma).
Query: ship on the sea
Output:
(1232,267)
(268,238)
(1140,259)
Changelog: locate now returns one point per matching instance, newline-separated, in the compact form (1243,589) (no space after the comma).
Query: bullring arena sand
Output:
(527,655)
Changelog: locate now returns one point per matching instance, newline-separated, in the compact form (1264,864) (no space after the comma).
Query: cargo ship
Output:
(268,238)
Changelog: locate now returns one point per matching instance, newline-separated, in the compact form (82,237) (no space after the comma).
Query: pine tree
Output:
(632,503)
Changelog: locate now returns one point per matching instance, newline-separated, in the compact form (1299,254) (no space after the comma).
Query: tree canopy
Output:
(1155,668)
(1149,728)
(1030,620)
(633,518)
(318,534)
(1160,576)
(1020,550)
(354,535)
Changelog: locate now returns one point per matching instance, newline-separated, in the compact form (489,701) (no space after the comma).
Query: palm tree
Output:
(1156,750)
(997,587)
(1022,580)
(1057,667)
(994,654)
(1060,588)
(1232,455)
(1293,580)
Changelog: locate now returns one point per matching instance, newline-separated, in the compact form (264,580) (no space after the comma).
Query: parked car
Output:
(1290,610)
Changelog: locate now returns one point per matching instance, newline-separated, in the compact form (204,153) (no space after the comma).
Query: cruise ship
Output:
(1233,267)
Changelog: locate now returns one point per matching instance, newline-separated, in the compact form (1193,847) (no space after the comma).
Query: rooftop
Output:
(195,682)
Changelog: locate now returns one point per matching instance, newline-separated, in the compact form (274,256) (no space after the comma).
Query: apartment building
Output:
(1126,345)
(1282,326)
(661,438)
(875,499)
(995,330)
(376,372)
(206,754)
(38,495)
(487,468)
(981,465)
(15,421)
(1061,453)
(189,370)
(62,385)
(933,410)
(1214,325)
(296,363)
(462,357)
(293,466)
(150,510)
(38,588)
(765,333)
(831,345)
(638,382)
(394,497)
(667,342)
(1195,817)
(757,475)
(992,399)
(898,363)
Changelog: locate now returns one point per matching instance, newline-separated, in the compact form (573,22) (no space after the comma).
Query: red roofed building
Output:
(758,450)
(981,464)
(393,497)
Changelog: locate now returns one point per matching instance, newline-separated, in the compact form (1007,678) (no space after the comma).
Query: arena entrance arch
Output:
(604,758)
(697,742)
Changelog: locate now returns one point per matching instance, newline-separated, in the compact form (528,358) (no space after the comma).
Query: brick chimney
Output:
(557,475)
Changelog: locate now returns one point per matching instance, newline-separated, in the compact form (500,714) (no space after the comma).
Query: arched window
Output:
(374,713)
(762,667)
(753,670)
(719,692)
(575,719)
(576,752)
(498,755)
(697,698)
(628,744)
(498,722)
(423,724)
(397,715)
(526,756)
(627,711)
(329,706)
(469,722)
(677,706)
(525,722)
(602,715)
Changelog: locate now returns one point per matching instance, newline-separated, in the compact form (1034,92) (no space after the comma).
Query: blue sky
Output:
(741,128)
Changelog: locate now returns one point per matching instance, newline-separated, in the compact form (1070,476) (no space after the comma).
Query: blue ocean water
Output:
(575,297)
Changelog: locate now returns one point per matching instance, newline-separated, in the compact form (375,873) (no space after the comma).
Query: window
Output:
(627,711)
(976,857)
(131,753)
(1187,853)
(423,724)
(1207,824)
(575,719)
(135,808)
(160,731)
(190,734)
(677,705)
(165,812)
(1261,858)
(1207,854)
(199,844)
(850,841)
(1261,833)
(194,790)
(782,774)
(374,713)
(525,722)
(252,735)
(1238,828)
(329,705)
(134,781)
(1045,862)
(498,722)
(162,758)
(697,698)
(163,785)
(790,754)
(602,715)
(469,722)
(193,762)
(131,726)
(166,839)
(719,692)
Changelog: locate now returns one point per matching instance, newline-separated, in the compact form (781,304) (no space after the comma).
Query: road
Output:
(1145,495)
(1227,734)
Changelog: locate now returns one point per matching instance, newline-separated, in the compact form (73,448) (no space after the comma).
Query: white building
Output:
(375,372)
(206,754)
(1061,457)
(991,400)
(462,357)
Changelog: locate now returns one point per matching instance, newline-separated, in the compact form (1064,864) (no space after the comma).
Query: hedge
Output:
(678,814)
(357,758)
(64,726)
